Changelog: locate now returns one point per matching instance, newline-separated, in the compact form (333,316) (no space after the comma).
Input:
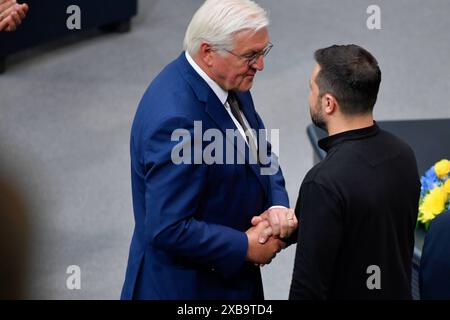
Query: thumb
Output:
(256,220)
(264,235)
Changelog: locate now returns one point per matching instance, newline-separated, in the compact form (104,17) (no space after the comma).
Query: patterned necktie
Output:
(236,111)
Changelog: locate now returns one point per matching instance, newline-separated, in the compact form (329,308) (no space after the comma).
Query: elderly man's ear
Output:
(11,14)
(205,53)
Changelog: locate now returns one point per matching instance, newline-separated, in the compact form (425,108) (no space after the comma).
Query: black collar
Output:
(329,142)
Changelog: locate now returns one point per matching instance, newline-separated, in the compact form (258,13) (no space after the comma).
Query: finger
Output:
(20,12)
(25,8)
(11,24)
(290,214)
(265,215)
(292,221)
(274,223)
(262,216)
(256,220)
(295,221)
(8,10)
(16,18)
(4,24)
(265,235)
(292,227)
(261,226)
(284,224)
(6,4)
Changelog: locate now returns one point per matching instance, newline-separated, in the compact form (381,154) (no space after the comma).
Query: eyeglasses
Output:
(252,58)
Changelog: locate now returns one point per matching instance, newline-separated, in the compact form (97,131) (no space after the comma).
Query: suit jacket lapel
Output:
(219,115)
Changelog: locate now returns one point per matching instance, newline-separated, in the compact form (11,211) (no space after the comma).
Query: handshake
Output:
(11,14)
(265,238)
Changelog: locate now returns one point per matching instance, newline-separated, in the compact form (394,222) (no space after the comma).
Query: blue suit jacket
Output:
(434,276)
(189,240)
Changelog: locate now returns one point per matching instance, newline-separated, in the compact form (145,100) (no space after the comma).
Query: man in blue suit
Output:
(193,237)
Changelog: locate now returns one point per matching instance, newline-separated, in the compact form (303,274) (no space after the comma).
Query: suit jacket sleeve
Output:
(173,197)
(319,238)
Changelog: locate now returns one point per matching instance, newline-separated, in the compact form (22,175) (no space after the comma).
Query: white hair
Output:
(217,21)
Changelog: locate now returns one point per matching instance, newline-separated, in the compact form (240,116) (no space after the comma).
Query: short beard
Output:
(318,119)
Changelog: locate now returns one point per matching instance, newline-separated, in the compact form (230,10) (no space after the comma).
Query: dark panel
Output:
(46,21)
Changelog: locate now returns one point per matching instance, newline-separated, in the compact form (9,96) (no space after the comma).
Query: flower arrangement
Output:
(434,193)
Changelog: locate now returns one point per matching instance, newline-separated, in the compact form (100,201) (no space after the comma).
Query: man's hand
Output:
(262,253)
(11,14)
(282,222)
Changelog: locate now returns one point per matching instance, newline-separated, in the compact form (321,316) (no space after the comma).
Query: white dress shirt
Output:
(222,95)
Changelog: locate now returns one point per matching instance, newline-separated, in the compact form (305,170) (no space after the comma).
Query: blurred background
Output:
(66,108)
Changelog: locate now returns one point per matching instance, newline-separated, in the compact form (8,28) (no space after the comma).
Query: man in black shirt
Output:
(357,209)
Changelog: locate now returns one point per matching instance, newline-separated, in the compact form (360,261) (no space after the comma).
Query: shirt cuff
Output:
(277,207)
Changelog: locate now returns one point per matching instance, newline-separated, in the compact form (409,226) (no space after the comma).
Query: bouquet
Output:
(435,192)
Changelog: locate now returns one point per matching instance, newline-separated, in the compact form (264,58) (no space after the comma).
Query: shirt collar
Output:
(220,93)
(329,142)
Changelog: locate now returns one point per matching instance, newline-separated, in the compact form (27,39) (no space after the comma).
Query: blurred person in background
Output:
(14,235)
(11,14)
(434,275)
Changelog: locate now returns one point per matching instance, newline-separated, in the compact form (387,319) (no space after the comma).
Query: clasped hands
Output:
(265,238)
(11,14)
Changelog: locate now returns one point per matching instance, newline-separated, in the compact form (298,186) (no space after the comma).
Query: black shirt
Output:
(357,211)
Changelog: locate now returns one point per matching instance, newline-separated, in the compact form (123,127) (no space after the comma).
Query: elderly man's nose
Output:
(259,63)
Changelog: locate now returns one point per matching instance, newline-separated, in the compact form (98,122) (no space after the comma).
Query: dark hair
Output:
(350,74)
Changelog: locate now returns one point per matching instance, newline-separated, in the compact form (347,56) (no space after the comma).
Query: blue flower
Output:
(429,181)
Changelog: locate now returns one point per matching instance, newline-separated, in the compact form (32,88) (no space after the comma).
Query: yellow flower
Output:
(447,186)
(442,168)
(433,204)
